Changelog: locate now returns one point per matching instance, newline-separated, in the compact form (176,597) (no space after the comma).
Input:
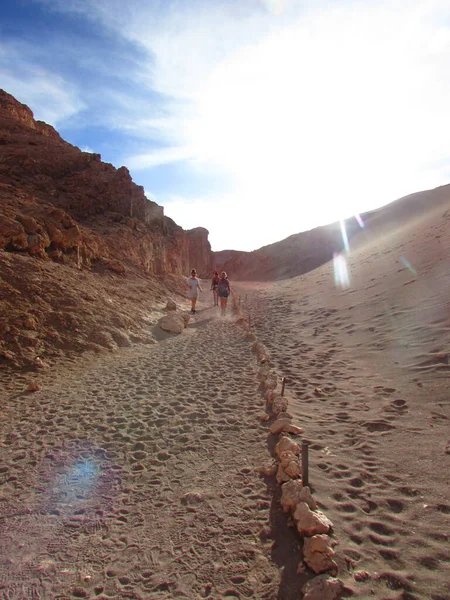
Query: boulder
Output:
(322,587)
(172,322)
(318,554)
(293,492)
(310,522)
(171,305)
(12,235)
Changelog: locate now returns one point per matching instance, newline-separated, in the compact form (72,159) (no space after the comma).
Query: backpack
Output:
(224,287)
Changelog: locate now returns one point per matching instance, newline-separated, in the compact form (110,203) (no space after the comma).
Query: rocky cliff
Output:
(61,203)
(86,260)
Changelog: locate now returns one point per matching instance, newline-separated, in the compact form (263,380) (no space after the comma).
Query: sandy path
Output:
(134,475)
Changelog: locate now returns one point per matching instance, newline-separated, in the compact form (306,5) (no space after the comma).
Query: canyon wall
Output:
(59,203)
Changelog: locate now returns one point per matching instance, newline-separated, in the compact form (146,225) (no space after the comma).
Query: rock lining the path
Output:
(311,524)
(322,587)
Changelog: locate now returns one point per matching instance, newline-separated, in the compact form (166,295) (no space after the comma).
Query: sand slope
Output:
(368,371)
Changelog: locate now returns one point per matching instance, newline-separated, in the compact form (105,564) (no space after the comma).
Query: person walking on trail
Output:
(214,286)
(194,288)
(223,290)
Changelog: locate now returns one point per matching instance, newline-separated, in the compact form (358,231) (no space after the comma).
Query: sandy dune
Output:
(367,369)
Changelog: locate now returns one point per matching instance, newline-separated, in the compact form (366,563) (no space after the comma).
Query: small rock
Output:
(263,372)
(310,522)
(284,425)
(322,587)
(280,405)
(361,575)
(269,397)
(285,444)
(290,466)
(271,381)
(318,554)
(33,387)
(269,470)
(171,305)
(293,492)
(191,498)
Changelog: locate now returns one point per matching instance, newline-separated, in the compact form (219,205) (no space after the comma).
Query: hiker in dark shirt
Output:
(223,290)
(214,286)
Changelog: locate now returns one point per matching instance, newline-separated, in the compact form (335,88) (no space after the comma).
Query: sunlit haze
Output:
(256,119)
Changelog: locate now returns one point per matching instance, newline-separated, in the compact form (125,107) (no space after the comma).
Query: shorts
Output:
(223,294)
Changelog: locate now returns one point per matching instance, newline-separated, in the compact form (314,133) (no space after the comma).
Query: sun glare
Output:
(305,119)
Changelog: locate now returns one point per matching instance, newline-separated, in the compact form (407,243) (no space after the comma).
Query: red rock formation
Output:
(85,257)
(60,203)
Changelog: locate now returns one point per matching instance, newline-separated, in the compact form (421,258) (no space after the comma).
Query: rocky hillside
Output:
(70,225)
(303,252)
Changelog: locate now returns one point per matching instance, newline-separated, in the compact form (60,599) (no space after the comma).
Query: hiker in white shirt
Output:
(194,287)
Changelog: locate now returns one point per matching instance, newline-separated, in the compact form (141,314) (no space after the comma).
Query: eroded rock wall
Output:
(60,203)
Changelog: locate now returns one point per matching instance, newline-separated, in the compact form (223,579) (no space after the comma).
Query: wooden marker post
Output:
(305,466)
(283,381)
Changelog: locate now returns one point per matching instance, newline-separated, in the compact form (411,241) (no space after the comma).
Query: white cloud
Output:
(51,97)
(319,109)
(157,157)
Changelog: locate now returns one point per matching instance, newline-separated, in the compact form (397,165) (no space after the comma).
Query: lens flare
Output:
(276,7)
(408,265)
(360,221)
(341,275)
(345,236)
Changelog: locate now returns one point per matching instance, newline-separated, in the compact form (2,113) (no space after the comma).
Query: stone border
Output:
(296,499)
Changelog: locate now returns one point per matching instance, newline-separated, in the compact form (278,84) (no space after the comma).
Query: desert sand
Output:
(135,474)
(367,370)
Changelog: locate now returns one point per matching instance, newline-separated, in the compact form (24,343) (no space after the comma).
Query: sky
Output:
(256,119)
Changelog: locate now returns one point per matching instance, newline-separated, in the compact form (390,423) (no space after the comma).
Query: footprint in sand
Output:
(378,426)
(398,406)
(396,506)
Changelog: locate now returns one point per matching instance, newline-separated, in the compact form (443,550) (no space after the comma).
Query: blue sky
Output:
(256,119)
